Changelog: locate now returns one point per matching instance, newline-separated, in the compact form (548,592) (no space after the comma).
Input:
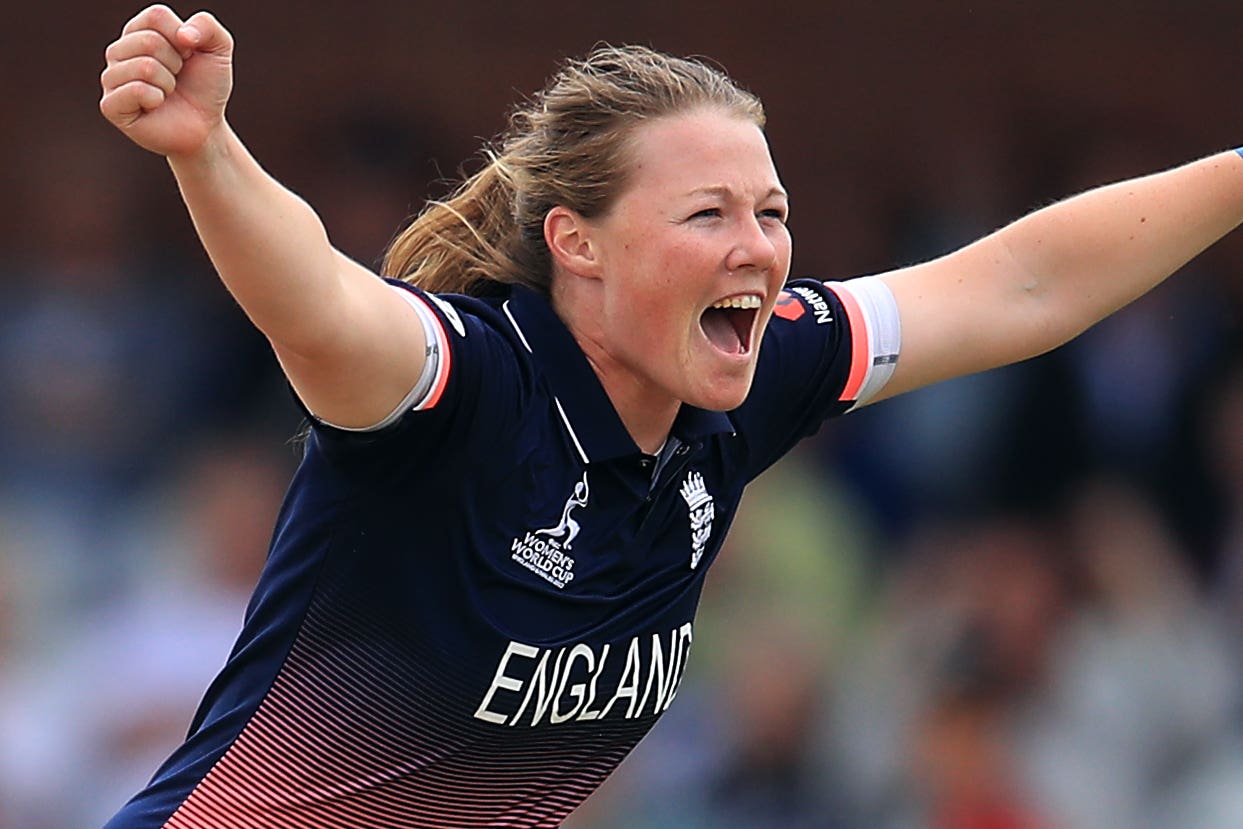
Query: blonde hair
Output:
(567,146)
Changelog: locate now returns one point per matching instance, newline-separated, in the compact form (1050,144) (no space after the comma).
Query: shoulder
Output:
(829,348)
(457,315)
(481,380)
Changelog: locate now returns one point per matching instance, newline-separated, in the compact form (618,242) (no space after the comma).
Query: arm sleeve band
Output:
(431,381)
(876,334)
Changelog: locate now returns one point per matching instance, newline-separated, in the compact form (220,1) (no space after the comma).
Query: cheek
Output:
(657,290)
(655,333)
(785,250)
(652,303)
(660,323)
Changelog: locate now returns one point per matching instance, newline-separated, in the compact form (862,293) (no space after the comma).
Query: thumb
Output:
(204,33)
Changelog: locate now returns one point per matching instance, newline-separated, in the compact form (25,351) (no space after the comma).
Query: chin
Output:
(724,396)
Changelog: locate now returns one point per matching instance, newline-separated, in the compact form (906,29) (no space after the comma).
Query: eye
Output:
(774,213)
(707,213)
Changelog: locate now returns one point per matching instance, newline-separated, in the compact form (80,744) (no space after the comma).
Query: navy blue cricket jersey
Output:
(470,616)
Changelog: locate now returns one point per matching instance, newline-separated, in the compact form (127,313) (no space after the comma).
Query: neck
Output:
(646,411)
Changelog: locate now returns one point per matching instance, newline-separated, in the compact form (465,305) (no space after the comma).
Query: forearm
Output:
(267,244)
(1039,282)
(1086,257)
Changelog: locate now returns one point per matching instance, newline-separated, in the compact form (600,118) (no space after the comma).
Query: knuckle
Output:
(150,69)
(140,42)
(148,40)
(145,68)
(150,16)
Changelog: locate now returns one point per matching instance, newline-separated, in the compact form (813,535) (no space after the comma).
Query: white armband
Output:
(875,333)
(431,380)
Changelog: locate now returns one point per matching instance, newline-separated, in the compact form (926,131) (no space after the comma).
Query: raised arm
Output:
(1041,281)
(350,344)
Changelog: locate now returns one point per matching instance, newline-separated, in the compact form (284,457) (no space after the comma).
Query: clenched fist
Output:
(167,80)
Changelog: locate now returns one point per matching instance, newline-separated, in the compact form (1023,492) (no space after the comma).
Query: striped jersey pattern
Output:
(320,750)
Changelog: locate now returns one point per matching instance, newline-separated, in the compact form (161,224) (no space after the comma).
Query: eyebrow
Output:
(726,192)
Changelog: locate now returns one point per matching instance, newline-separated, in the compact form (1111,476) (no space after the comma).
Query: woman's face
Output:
(693,255)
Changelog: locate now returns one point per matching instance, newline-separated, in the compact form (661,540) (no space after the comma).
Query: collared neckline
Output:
(593,424)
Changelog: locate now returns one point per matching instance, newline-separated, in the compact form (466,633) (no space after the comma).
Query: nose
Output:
(753,248)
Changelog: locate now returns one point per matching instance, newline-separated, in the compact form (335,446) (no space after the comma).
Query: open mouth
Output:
(728,323)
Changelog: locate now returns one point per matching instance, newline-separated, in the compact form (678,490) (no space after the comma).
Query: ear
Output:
(570,241)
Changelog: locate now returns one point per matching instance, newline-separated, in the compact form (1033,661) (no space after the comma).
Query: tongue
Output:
(720,331)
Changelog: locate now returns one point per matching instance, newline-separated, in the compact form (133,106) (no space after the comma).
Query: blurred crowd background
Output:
(1008,602)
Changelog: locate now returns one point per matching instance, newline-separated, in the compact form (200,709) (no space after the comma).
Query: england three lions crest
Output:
(702,511)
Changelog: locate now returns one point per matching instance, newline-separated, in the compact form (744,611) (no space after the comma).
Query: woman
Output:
(527,446)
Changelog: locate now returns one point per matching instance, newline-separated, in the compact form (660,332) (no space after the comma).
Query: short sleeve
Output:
(829,348)
(475,388)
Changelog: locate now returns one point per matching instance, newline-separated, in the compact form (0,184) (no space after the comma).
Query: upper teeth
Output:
(748,301)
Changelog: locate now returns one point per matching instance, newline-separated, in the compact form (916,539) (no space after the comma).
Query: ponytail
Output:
(466,242)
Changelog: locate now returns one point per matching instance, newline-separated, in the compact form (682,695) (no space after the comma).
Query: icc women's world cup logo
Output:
(546,552)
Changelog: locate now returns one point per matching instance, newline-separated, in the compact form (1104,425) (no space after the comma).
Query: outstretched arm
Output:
(350,345)
(1039,282)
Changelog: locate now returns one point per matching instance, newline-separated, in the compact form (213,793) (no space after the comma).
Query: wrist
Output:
(215,146)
